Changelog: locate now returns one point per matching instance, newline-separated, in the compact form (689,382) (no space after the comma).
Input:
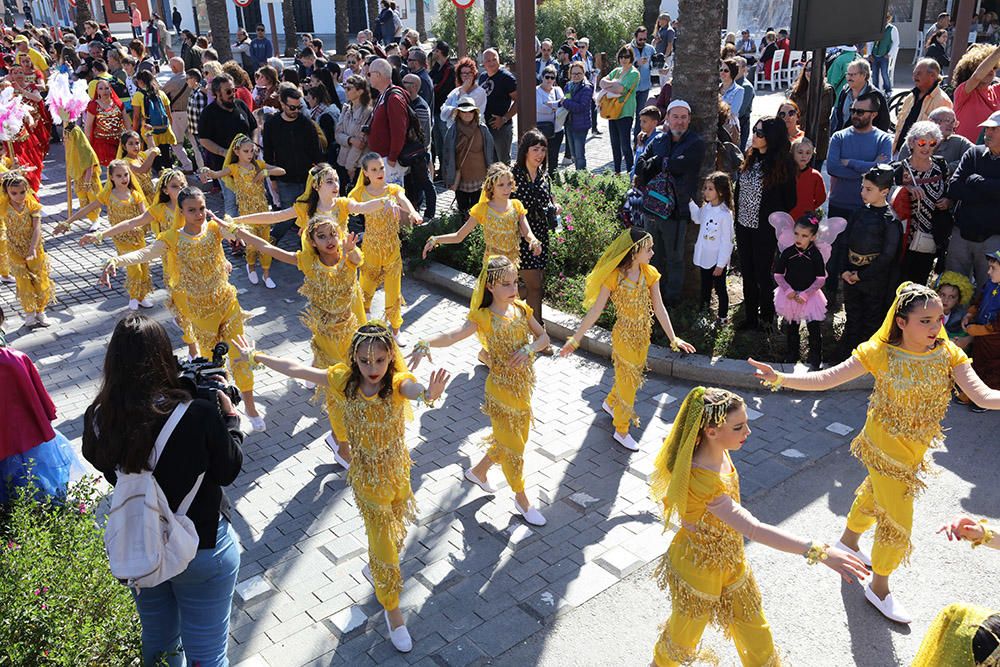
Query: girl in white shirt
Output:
(714,247)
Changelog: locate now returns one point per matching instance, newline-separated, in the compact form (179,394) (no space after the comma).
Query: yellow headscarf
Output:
(81,159)
(30,201)
(231,158)
(109,185)
(906,292)
(608,263)
(359,186)
(672,468)
(949,639)
(484,278)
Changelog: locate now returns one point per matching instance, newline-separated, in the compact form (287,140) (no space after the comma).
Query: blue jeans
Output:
(288,192)
(640,103)
(880,66)
(186,620)
(621,142)
(577,141)
(229,200)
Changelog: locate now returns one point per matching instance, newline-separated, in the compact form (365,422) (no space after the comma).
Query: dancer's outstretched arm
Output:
(288,367)
(423,348)
(676,342)
(977,532)
(977,391)
(816,381)
(573,342)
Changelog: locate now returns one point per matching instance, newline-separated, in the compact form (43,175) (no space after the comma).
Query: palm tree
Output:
(372,15)
(83,14)
(218,23)
(489,24)
(342,24)
(650,12)
(421,20)
(288,22)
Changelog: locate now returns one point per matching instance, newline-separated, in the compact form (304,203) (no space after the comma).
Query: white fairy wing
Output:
(783,228)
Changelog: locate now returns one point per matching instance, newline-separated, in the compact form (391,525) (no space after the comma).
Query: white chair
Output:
(772,81)
(790,73)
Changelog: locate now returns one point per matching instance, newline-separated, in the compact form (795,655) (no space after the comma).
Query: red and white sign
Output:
(463,4)
(242,3)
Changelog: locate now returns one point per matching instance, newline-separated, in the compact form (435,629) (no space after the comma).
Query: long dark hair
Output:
(777,163)
(140,386)
(317,172)
(498,267)
(371,334)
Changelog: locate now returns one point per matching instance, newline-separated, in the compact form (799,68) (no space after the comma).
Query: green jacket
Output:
(883,45)
(836,74)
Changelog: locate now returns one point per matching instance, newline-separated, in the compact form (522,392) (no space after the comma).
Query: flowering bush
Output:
(59,604)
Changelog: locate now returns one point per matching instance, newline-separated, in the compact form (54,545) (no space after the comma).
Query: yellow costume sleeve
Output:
(649,274)
(393,190)
(304,262)
(528,311)
(33,206)
(484,325)
(956,355)
(612,281)
(171,272)
(397,381)
(336,377)
(479,212)
(104,196)
(342,211)
(302,214)
(519,207)
(872,355)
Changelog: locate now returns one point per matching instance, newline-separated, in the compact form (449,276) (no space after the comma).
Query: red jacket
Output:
(27,408)
(810,192)
(389,123)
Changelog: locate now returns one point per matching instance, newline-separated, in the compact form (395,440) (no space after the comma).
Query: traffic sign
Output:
(463,4)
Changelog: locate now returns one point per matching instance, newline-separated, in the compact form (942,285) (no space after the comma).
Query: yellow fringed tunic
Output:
(34,287)
(340,213)
(250,199)
(195,269)
(4,252)
(138,281)
(379,475)
(508,389)
(911,396)
(711,582)
(630,338)
(383,262)
(145,178)
(501,232)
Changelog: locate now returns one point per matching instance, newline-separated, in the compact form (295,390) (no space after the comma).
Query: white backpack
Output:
(147,543)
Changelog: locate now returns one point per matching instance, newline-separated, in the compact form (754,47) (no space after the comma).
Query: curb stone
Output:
(692,368)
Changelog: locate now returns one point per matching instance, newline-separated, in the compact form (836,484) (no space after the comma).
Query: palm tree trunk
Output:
(696,80)
(342,21)
(489,24)
(421,20)
(83,14)
(372,15)
(288,22)
(218,23)
(650,12)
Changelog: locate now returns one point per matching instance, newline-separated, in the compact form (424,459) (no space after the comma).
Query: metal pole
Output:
(274,27)
(461,27)
(815,98)
(524,21)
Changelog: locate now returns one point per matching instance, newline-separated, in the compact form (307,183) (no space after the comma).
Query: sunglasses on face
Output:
(549,77)
(790,112)
(859,112)
(927,142)
(758,132)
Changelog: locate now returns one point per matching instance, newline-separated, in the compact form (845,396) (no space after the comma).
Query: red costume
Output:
(107,130)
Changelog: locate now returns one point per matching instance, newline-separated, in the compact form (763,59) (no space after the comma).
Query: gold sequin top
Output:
(108,123)
(163,217)
(329,289)
(382,227)
(145,179)
(201,268)
(376,429)
(633,305)
(250,197)
(120,210)
(339,213)
(712,544)
(501,232)
(502,336)
(20,226)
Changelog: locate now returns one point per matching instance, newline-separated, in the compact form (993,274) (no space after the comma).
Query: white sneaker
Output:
(332,444)
(627,441)
(268,283)
(308,385)
(531,515)
(133,304)
(94,227)
(400,637)
(481,483)
(257,423)
(41,320)
(607,408)
(400,339)
(888,607)
(565,161)
(30,319)
(7,280)
(252,275)
(861,555)
(146,303)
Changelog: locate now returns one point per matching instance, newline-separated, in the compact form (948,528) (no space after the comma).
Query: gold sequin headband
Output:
(382,335)
(494,274)
(912,294)
(714,412)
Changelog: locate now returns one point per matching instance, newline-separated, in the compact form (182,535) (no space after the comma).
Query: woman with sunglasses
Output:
(924,175)
(788,112)
(548,99)
(731,92)
(800,96)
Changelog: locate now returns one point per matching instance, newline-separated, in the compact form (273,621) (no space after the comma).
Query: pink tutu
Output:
(813,310)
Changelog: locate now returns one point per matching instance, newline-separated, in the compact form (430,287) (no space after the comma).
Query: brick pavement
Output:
(477,580)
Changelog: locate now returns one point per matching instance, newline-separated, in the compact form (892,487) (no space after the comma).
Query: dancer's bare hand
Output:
(764,371)
(110,271)
(350,242)
(438,381)
(87,239)
(685,346)
(417,356)
(847,565)
(963,528)
(244,344)
(520,358)
(567,349)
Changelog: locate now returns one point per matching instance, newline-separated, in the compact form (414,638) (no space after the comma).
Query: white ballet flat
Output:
(30,319)
(627,441)
(332,444)
(41,320)
(133,304)
(257,423)
(861,555)
(531,515)
(481,483)
(146,303)
(252,276)
(889,607)
(607,408)
(400,637)
(268,283)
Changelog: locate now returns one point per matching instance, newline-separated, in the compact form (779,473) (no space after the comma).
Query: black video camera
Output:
(203,377)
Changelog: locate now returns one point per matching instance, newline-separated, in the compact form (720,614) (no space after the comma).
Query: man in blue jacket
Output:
(260,49)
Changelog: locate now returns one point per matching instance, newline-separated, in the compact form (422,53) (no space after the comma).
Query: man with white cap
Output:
(680,153)
(975,187)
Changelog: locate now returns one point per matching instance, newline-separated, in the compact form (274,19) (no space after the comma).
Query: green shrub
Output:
(59,604)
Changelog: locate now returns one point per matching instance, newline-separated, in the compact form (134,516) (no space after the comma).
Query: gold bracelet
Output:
(674,347)
(426,401)
(98,238)
(776,385)
(434,242)
(817,552)
(574,342)
(987,535)
(528,349)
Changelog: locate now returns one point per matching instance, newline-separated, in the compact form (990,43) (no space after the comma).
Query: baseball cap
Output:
(678,104)
(992,121)
(995,255)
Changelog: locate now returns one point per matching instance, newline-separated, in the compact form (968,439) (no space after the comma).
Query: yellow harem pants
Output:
(331,345)
(376,270)
(883,501)
(33,285)
(511,422)
(138,280)
(261,232)
(4,250)
(223,324)
(700,595)
(629,358)
(386,512)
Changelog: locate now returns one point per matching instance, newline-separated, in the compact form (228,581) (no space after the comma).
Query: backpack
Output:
(146,542)
(414,148)
(660,197)
(156,113)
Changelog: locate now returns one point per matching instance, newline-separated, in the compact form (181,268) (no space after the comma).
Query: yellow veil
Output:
(80,159)
(672,468)
(608,263)
(905,293)
(949,639)
(359,186)
(136,187)
(30,201)
(484,277)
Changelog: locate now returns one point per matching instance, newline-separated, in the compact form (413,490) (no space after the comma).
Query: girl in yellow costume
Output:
(329,265)
(503,219)
(139,161)
(624,275)
(124,201)
(321,199)
(244,174)
(376,390)
(22,218)
(705,568)
(160,215)
(383,262)
(915,367)
(505,327)
(197,276)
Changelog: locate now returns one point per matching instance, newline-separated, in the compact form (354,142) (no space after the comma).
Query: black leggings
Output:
(710,282)
(756,248)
